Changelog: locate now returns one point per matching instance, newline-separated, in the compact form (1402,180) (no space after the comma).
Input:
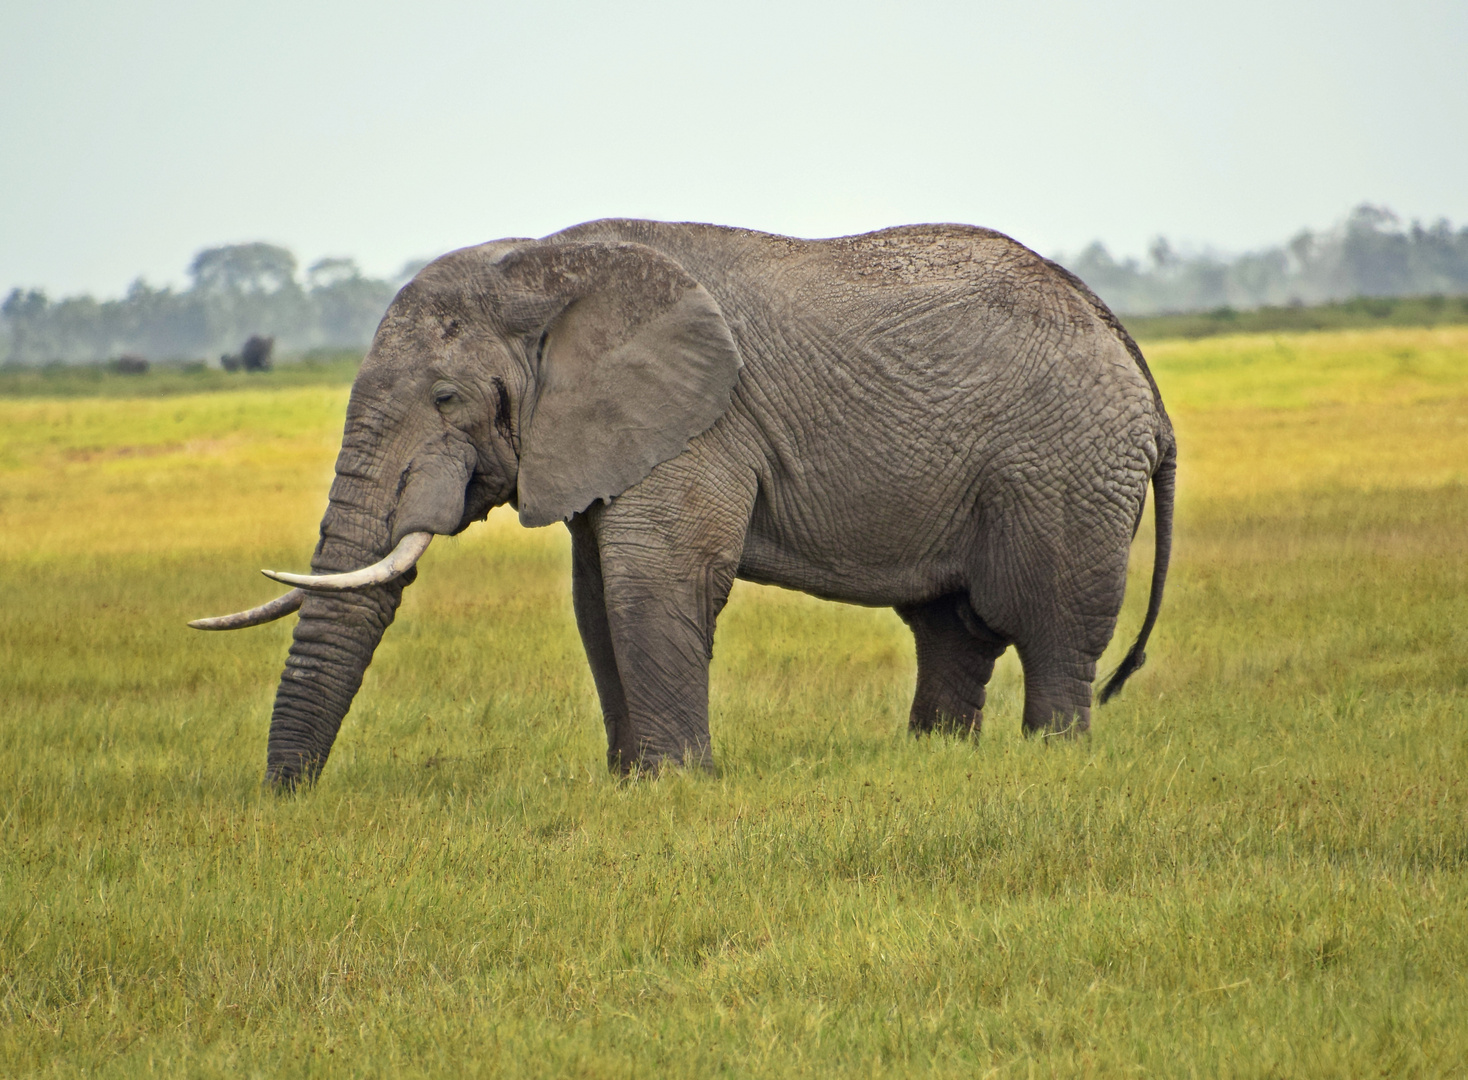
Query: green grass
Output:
(1256,866)
(1362,313)
(328,367)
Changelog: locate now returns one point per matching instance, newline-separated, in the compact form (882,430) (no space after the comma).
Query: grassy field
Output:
(1256,866)
(321,367)
(1362,313)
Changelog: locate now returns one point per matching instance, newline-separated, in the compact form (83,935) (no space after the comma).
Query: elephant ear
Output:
(633,359)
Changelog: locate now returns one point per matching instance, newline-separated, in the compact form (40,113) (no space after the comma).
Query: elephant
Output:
(931,418)
(254,355)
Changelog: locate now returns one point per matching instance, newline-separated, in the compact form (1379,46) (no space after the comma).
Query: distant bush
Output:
(322,367)
(1360,313)
(243,290)
(1369,255)
(236,292)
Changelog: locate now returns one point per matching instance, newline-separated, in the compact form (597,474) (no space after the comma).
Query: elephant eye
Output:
(443,394)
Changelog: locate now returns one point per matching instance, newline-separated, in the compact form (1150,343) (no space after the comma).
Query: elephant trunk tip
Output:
(283,787)
(283,780)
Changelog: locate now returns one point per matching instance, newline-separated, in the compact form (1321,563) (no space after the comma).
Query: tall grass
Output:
(1257,865)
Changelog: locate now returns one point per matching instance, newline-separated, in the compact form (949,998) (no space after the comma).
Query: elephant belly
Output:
(875,563)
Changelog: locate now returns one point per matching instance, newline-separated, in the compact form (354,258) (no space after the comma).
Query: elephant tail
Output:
(1164,484)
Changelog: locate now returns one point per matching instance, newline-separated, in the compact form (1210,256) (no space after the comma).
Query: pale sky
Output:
(132,135)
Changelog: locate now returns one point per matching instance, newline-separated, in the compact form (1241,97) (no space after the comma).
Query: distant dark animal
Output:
(254,355)
(130,365)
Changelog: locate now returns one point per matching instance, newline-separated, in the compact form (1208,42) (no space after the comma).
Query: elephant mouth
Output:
(397,563)
(484,492)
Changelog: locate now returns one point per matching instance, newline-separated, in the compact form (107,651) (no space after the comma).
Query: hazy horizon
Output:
(131,139)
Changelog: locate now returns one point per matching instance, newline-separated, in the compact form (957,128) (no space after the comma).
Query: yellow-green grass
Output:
(169,378)
(1256,865)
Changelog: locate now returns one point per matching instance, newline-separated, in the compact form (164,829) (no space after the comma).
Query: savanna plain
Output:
(1256,865)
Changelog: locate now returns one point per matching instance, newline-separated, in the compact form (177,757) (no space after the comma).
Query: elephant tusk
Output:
(402,558)
(278,608)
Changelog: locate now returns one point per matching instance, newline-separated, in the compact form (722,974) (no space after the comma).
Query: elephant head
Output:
(547,374)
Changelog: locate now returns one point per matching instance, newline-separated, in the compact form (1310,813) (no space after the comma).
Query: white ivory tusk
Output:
(410,548)
(278,608)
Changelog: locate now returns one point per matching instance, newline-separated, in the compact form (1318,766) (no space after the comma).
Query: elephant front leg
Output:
(668,549)
(955,660)
(589,600)
(661,628)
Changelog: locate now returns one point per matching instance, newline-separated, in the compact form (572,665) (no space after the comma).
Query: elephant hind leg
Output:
(1056,593)
(1057,690)
(955,657)
(1060,638)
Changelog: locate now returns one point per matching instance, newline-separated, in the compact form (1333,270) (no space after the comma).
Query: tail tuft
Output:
(1134,659)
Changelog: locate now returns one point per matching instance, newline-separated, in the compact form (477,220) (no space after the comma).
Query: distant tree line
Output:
(241,290)
(235,292)
(1370,254)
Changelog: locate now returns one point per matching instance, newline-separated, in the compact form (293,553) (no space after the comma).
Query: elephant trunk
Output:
(380,519)
(333,643)
(334,640)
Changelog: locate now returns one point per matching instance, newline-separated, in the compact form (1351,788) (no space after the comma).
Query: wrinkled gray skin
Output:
(931,418)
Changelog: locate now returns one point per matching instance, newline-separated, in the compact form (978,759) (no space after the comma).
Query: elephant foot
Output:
(937,721)
(1060,725)
(955,659)
(293,773)
(651,764)
(1057,704)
